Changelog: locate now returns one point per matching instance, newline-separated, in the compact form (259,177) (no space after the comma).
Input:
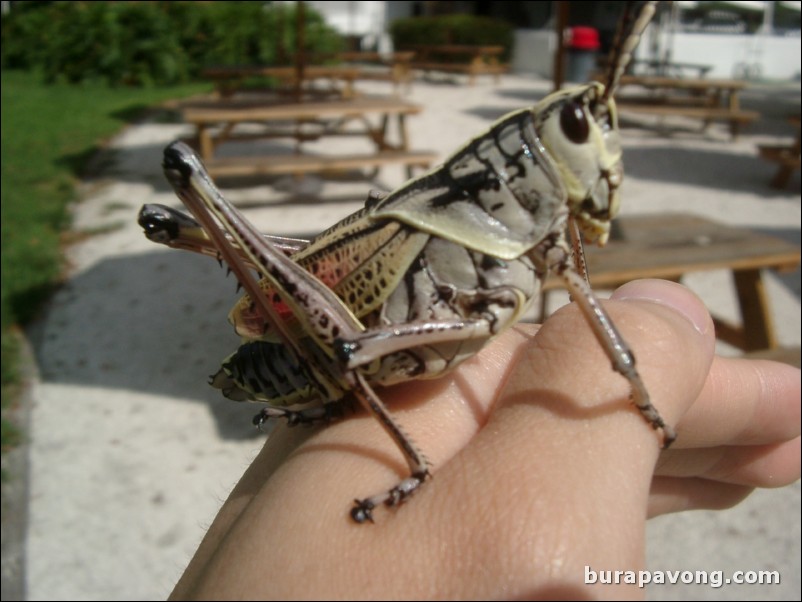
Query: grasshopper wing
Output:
(362,259)
(500,194)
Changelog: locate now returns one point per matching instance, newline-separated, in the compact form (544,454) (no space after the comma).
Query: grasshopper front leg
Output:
(560,261)
(574,273)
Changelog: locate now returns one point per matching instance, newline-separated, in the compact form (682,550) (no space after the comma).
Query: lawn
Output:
(48,134)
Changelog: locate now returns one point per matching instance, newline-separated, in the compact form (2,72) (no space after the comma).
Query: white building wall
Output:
(730,55)
(364,19)
(351,18)
(534,52)
(770,57)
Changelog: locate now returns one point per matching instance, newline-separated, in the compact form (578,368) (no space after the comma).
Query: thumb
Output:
(565,376)
(678,353)
(665,325)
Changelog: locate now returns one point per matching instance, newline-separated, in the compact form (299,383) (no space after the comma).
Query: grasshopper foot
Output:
(309,416)
(669,434)
(363,509)
(641,400)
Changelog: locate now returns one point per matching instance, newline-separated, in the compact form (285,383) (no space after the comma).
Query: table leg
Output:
(403,140)
(402,132)
(788,158)
(348,88)
(713,101)
(734,105)
(756,330)
(205,142)
(758,326)
(381,134)
(782,177)
(474,69)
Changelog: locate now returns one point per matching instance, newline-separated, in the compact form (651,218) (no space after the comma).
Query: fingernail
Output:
(668,294)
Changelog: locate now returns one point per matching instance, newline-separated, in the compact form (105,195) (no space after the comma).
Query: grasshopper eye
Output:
(574,123)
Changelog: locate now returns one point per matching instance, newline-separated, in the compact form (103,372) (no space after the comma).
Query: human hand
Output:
(541,467)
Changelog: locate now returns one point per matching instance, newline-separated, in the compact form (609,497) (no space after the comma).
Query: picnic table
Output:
(700,98)
(670,246)
(229,79)
(363,116)
(460,58)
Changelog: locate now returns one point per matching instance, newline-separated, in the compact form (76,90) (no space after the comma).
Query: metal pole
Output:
(560,23)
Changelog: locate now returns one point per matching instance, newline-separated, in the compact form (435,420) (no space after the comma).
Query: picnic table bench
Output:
(669,246)
(217,123)
(706,99)
(456,58)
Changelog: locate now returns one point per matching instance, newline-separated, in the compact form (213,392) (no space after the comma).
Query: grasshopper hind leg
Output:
(363,509)
(418,464)
(331,411)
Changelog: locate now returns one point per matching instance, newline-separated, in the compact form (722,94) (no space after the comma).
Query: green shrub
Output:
(119,43)
(452,29)
(147,43)
(223,33)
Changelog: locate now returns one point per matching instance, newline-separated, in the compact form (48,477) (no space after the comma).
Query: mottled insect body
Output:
(420,279)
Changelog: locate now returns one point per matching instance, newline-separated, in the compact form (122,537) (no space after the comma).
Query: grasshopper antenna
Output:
(636,17)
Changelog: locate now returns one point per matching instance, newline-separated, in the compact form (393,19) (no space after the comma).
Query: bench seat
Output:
(735,117)
(303,163)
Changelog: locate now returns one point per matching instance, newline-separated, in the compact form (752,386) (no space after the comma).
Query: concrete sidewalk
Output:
(132,453)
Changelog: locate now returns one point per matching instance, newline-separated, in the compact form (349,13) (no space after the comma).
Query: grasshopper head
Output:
(579,129)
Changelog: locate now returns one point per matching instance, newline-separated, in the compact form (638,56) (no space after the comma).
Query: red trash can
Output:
(583,45)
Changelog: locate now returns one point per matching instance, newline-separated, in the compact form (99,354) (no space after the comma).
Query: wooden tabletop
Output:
(663,67)
(458,49)
(382,57)
(656,81)
(670,245)
(284,72)
(240,112)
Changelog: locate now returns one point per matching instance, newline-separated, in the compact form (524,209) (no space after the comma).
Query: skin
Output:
(541,468)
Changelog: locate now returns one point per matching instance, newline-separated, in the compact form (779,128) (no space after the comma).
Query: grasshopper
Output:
(422,278)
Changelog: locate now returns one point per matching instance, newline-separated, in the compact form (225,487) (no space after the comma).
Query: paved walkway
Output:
(132,453)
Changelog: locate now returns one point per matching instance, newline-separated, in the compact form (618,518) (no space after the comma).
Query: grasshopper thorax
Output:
(579,129)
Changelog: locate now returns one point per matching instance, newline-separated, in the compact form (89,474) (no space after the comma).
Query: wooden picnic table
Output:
(701,98)
(670,246)
(370,117)
(229,79)
(460,58)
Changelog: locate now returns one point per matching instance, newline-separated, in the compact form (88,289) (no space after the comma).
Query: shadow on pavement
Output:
(152,323)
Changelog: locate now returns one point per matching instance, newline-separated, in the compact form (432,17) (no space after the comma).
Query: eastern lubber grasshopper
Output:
(422,278)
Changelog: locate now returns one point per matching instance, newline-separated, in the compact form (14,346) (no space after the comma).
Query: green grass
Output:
(48,134)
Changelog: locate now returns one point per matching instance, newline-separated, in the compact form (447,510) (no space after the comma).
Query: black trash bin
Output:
(583,46)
